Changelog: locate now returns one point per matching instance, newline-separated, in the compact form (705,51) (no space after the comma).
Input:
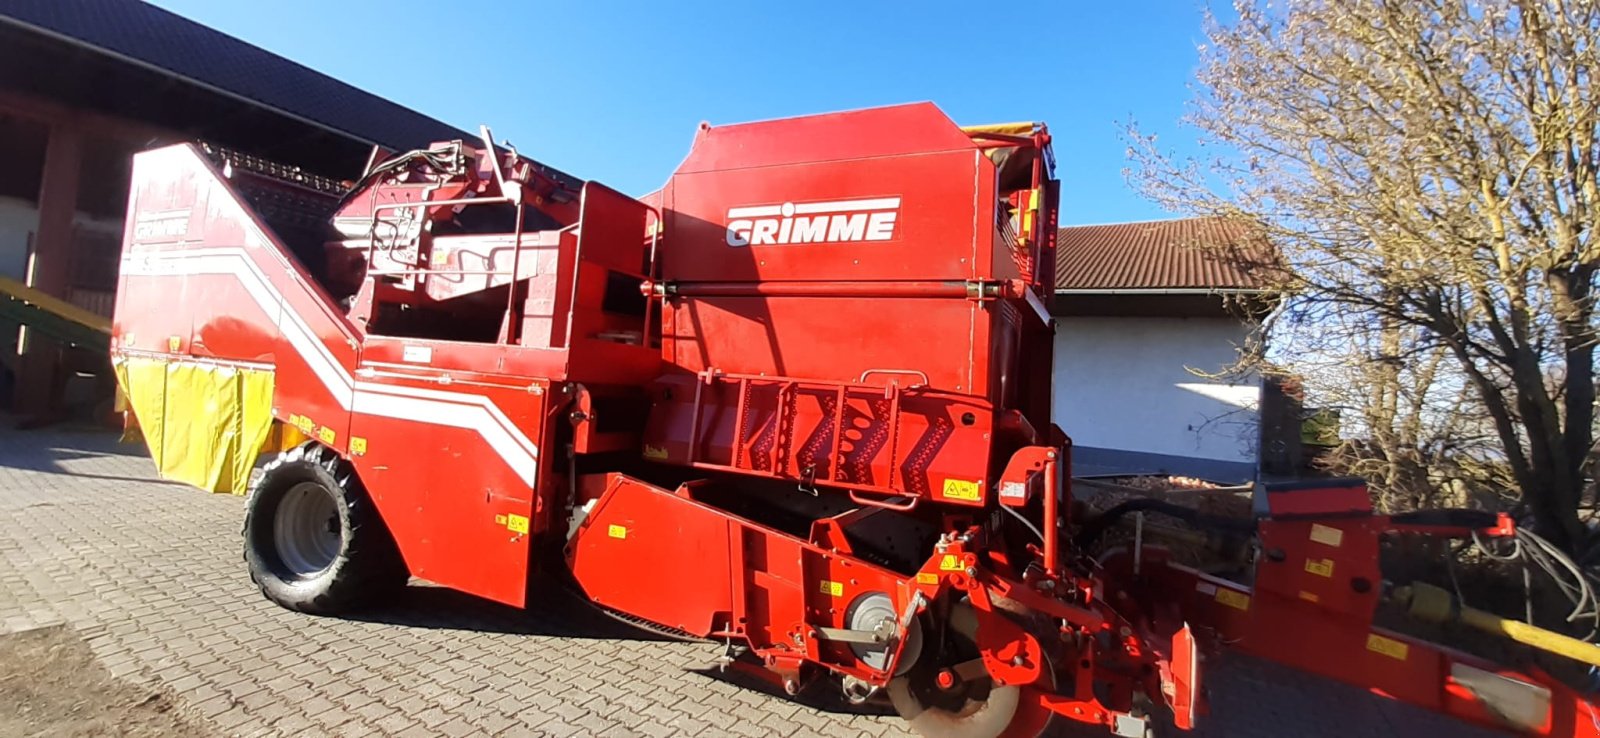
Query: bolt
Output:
(946,678)
(972,571)
(791,686)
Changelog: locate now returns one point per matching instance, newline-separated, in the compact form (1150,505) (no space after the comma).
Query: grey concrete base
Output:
(1088,461)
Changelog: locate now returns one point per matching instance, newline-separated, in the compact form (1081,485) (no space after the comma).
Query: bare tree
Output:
(1428,170)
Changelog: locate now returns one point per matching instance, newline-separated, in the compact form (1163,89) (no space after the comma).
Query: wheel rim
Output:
(305,530)
(986,718)
(978,709)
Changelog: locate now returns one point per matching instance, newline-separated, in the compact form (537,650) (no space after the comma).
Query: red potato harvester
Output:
(797,401)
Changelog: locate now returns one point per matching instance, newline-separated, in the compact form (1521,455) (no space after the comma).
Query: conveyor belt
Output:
(53,317)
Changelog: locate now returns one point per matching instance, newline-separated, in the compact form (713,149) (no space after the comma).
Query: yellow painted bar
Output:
(1021,128)
(54,305)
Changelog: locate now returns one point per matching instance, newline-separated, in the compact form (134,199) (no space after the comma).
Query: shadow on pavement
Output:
(557,611)
(48,451)
(822,693)
(553,611)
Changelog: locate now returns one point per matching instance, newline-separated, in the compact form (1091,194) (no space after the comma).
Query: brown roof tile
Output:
(1190,253)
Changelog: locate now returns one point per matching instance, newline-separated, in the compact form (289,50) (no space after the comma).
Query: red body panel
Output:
(727,577)
(199,263)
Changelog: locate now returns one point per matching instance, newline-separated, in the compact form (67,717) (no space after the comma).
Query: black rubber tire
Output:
(367,567)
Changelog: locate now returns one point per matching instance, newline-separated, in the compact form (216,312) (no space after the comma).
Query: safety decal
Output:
(950,562)
(1387,646)
(1235,600)
(656,453)
(326,435)
(1327,536)
(961,489)
(616,531)
(835,589)
(1309,597)
(1320,567)
(927,577)
(303,423)
(358,446)
(517,523)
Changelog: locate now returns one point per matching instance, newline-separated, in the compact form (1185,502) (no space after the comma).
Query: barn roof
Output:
(148,36)
(1211,254)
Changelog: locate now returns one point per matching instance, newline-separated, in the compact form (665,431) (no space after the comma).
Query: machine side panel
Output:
(836,338)
(907,217)
(636,555)
(199,263)
(887,131)
(923,444)
(454,474)
(670,559)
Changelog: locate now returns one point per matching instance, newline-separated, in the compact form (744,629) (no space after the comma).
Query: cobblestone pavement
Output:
(150,574)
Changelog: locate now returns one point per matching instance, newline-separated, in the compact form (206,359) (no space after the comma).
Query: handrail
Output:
(858,499)
(372,228)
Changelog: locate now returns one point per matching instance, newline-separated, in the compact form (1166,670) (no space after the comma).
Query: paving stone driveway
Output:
(150,574)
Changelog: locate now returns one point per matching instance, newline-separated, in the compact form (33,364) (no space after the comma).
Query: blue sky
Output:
(613,91)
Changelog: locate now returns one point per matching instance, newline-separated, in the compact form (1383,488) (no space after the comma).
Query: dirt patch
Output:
(50,685)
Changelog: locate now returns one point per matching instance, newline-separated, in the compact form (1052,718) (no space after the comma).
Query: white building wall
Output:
(1125,384)
(18,220)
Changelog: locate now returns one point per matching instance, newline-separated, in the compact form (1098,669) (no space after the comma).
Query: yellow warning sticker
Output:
(1327,536)
(1309,596)
(835,589)
(927,577)
(1320,567)
(654,452)
(1387,646)
(1233,599)
(303,423)
(358,445)
(517,523)
(961,489)
(950,562)
(616,531)
(500,520)
(325,434)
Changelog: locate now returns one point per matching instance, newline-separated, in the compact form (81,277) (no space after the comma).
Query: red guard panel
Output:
(454,473)
(666,558)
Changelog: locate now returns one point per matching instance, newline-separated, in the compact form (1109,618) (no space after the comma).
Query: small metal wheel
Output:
(939,706)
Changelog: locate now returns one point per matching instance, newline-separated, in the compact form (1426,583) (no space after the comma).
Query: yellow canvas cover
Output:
(205,424)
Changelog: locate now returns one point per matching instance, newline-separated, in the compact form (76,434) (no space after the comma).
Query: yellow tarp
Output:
(1025,128)
(204,423)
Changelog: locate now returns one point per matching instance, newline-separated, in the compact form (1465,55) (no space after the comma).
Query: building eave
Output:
(1222,291)
(158,69)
